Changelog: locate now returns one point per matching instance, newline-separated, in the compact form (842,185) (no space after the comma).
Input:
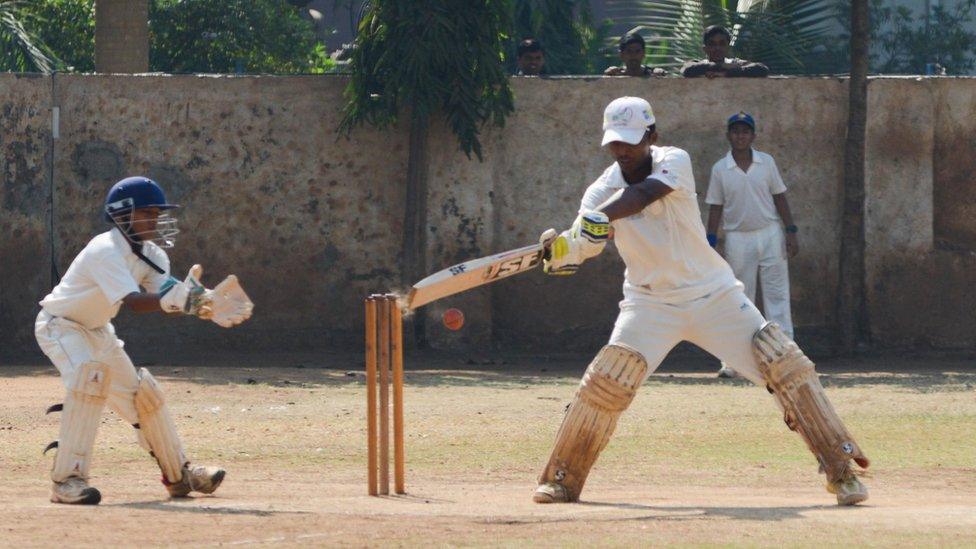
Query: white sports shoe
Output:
(849,490)
(550,492)
(197,478)
(727,373)
(75,490)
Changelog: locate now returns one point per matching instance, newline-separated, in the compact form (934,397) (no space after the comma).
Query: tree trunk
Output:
(414,261)
(851,303)
(122,36)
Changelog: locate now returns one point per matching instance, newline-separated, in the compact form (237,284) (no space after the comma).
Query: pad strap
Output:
(607,389)
(791,378)
(156,427)
(79,422)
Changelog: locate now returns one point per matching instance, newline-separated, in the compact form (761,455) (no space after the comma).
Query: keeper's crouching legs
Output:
(607,389)
(82,411)
(158,435)
(791,378)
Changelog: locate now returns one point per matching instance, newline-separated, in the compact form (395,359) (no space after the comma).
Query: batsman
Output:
(676,288)
(124,266)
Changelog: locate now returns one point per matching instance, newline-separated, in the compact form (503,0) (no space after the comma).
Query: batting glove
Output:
(585,239)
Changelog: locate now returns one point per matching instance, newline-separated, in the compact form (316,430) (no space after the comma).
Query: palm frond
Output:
(20,50)
(780,33)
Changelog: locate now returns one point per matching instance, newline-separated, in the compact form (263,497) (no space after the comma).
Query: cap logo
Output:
(647,115)
(622,117)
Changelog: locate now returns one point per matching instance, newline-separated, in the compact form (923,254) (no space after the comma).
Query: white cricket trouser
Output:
(722,323)
(763,251)
(69,345)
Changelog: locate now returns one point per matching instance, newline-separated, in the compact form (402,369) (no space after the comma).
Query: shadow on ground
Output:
(438,369)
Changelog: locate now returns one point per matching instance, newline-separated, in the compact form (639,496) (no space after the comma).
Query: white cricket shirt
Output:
(100,276)
(664,246)
(746,198)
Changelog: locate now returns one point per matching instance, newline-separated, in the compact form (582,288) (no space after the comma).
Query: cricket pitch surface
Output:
(694,461)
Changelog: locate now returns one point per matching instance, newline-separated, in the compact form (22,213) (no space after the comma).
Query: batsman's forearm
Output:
(635,198)
(139,302)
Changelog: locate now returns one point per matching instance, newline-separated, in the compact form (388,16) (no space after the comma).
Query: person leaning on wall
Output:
(530,57)
(633,49)
(718,63)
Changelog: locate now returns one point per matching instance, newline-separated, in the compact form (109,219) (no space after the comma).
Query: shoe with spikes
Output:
(849,489)
(551,492)
(75,490)
(196,478)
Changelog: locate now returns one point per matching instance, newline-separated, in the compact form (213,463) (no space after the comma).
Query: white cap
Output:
(626,119)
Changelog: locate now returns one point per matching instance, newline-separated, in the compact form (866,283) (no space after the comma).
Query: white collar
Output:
(120,241)
(730,162)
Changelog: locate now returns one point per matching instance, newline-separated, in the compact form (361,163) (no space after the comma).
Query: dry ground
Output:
(695,461)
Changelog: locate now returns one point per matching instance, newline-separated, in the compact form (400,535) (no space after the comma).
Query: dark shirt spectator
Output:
(531,58)
(632,52)
(719,63)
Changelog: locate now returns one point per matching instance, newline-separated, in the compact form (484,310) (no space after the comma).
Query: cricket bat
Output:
(474,273)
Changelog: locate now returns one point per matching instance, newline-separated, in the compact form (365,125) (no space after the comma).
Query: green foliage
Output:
(67,27)
(191,36)
(431,57)
(571,41)
(903,42)
(262,36)
(20,49)
(783,34)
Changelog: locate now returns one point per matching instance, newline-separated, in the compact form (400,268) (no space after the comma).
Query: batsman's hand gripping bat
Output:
(474,273)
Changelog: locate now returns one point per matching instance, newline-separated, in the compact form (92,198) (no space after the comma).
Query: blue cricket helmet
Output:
(133,193)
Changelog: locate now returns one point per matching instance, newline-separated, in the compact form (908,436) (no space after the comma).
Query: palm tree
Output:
(786,35)
(20,49)
(122,35)
(426,60)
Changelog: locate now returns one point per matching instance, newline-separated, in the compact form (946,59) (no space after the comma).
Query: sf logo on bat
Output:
(513,266)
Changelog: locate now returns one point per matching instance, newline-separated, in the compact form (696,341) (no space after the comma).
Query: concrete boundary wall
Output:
(312,223)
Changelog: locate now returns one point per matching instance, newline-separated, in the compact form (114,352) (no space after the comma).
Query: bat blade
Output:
(474,273)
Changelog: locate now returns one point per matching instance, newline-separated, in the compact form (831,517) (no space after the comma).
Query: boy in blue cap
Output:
(748,198)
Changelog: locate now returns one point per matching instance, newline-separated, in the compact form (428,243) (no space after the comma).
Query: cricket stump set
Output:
(384,352)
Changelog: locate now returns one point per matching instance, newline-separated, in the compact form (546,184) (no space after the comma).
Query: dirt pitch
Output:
(695,461)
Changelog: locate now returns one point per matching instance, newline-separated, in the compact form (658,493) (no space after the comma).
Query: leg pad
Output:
(791,378)
(607,389)
(79,421)
(156,427)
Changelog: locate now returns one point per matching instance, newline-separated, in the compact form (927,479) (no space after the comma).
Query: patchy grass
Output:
(695,461)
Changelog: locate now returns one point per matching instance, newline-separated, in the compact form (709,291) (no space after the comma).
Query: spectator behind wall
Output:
(531,59)
(718,63)
(632,52)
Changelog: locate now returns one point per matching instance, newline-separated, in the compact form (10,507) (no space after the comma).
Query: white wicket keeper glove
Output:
(226,305)
(187,297)
(585,239)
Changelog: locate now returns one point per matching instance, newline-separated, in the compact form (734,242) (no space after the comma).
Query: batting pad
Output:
(791,378)
(607,389)
(156,427)
(79,421)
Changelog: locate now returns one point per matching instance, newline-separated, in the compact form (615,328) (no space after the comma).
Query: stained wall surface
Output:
(311,223)
(25,255)
(541,162)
